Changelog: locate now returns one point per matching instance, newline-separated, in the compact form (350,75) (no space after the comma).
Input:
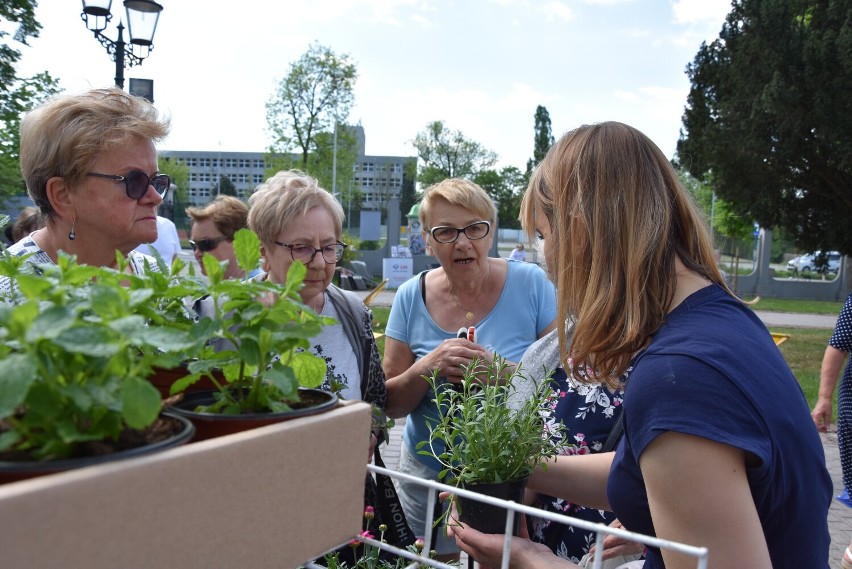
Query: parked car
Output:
(808,262)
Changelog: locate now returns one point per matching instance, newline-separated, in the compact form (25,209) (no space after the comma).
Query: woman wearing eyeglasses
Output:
(296,220)
(90,167)
(511,304)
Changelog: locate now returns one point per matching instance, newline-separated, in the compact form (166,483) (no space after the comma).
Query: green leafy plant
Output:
(77,344)
(259,334)
(477,438)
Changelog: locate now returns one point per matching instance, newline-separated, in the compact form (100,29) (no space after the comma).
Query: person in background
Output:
(90,167)
(167,243)
(719,449)
(27,221)
(518,253)
(297,221)
(213,229)
(836,354)
(511,304)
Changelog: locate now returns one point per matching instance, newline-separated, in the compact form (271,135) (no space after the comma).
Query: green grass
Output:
(803,350)
(800,306)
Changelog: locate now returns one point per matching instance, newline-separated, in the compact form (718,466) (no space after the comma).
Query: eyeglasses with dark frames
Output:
(475,231)
(206,245)
(136,183)
(306,253)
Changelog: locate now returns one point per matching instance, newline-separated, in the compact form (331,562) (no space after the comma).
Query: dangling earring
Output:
(71,235)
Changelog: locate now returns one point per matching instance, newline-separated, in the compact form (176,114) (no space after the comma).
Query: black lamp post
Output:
(142,16)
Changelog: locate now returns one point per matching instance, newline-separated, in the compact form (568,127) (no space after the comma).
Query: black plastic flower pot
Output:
(13,471)
(485,517)
(210,425)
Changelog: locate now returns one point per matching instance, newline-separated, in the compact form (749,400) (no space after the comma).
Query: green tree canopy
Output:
(769,117)
(505,188)
(543,138)
(17,95)
(448,153)
(315,94)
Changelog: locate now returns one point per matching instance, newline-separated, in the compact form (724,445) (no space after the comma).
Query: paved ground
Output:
(839,516)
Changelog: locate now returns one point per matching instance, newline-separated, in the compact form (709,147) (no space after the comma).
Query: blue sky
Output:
(482,66)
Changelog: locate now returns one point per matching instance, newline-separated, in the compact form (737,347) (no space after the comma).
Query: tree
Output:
(448,154)
(226,186)
(315,94)
(769,117)
(505,188)
(321,162)
(17,95)
(543,139)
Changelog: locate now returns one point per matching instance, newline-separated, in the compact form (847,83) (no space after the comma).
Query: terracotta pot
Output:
(485,517)
(12,471)
(163,379)
(209,425)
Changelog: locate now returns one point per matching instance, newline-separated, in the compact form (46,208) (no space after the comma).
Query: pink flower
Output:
(369,513)
(419,543)
(367,534)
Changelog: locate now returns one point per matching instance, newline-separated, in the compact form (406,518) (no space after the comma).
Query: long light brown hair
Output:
(619,217)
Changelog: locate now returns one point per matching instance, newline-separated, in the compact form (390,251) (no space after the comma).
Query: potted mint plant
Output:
(259,346)
(485,446)
(77,345)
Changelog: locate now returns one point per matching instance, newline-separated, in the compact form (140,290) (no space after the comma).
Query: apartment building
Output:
(378,178)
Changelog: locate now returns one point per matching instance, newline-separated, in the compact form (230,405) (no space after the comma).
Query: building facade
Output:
(377,178)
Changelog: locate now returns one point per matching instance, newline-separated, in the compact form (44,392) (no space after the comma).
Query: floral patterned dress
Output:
(588,412)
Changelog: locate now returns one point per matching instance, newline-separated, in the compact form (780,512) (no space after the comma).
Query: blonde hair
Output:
(622,217)
(229,214)
(283,197)
(64,136)
(461,193)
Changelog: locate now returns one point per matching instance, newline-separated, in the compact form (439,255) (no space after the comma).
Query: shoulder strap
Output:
(350,311)
(614,434)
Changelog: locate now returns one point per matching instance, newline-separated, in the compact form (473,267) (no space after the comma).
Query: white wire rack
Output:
(512,509)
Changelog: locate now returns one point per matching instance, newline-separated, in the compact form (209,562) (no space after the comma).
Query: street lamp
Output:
(142,16)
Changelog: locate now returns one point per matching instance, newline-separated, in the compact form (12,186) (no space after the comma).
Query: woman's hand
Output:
(452,356)
(615,545)
(487,549)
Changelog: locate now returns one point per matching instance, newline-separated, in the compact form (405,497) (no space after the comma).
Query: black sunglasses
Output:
(206,245)
(136,183)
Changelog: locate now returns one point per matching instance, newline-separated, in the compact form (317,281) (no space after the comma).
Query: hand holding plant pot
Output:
(483,445)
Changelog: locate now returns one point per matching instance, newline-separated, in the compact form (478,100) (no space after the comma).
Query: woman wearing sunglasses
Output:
(213,229)
(510,303)
(90,167)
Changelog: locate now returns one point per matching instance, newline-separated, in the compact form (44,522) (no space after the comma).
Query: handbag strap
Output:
(614,434)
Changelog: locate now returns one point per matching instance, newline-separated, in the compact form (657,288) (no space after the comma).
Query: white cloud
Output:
(556,10)
(700,11)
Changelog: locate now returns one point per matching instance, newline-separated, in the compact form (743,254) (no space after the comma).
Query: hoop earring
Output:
(71,235)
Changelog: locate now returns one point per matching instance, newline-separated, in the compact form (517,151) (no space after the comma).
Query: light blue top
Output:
(525,308)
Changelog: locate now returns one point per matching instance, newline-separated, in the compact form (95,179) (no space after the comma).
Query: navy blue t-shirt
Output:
(713,371)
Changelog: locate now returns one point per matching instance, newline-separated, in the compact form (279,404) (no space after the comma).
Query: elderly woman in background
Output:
(510,303)
(213,228)
(296,220)
(90,167)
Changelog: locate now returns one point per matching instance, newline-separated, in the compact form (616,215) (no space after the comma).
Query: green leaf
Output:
(284,379)
(309,369)
(87,340)
(141,403)
(247,249)
(18,371)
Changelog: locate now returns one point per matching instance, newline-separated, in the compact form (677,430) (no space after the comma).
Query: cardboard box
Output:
(275,496)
